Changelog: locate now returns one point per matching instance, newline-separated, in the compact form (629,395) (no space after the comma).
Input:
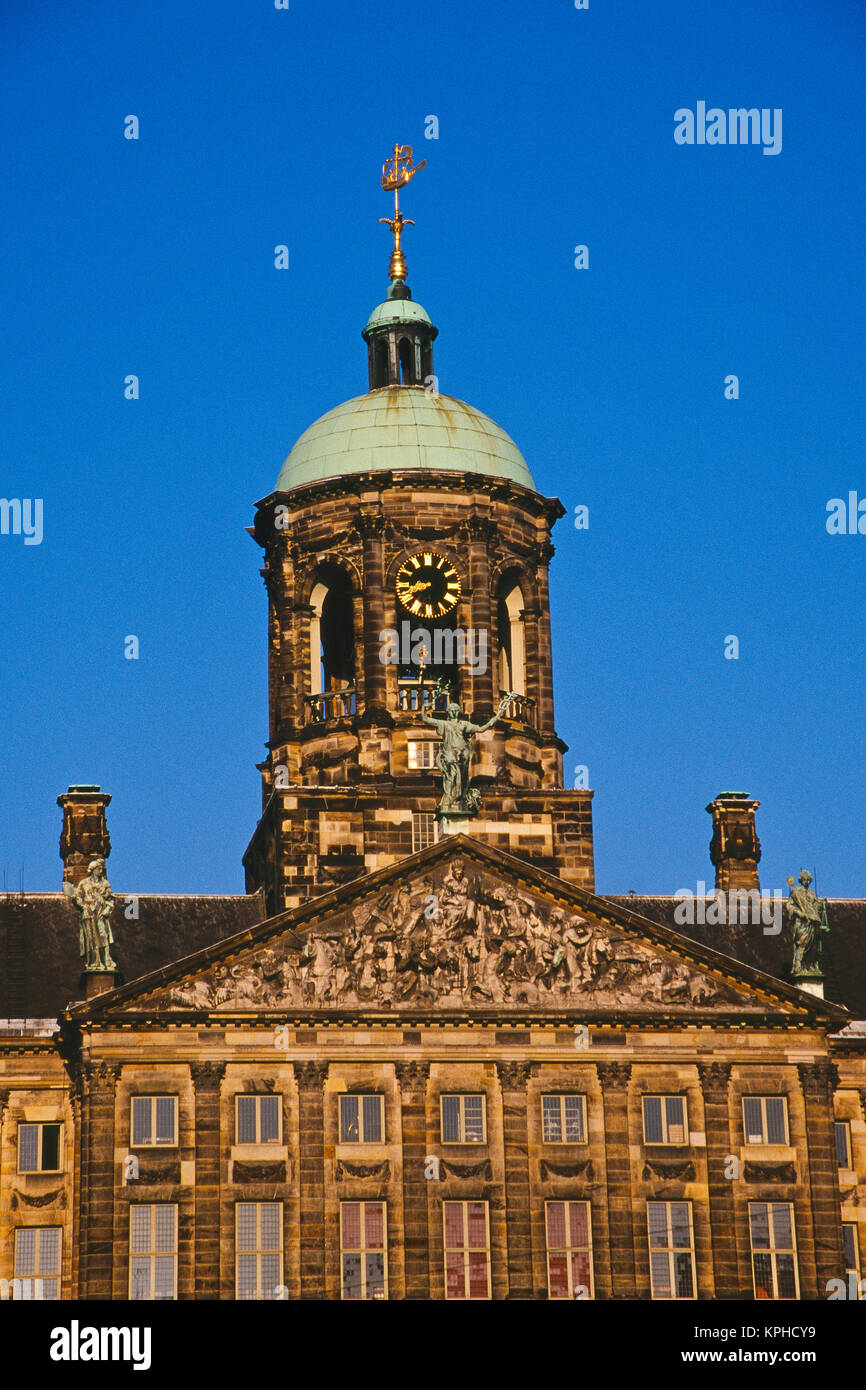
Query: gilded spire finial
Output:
(396,173)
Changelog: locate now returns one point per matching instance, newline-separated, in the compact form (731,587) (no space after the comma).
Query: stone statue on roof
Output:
(808,914)
(95,902)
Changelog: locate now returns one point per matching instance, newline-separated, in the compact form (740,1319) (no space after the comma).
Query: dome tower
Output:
(406,563)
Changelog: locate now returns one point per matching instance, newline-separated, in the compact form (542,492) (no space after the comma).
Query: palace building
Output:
(423,1057)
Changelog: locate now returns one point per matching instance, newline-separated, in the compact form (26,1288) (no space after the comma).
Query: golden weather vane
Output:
(396,173)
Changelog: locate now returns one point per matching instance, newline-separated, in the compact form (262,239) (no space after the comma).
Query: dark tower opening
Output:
(337,634)
(406,353)
(380,364)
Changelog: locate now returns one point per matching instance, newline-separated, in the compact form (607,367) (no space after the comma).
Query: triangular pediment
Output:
(455,929)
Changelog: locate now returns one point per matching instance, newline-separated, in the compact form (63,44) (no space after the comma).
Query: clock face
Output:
(427,585)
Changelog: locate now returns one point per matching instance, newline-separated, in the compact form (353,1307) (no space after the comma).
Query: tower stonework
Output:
(735,849)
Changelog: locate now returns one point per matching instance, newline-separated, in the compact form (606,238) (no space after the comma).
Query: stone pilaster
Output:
(206,1078)
(715,1078)
(614,1078)
(483,694)
(412,1077)
(311,1078)
(96,1233)
(512,1079)
(816,1080)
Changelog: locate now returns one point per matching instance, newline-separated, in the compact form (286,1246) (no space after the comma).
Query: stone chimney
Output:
(85,834)
(735,848)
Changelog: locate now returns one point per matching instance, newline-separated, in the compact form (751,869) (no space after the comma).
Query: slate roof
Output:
(40,968)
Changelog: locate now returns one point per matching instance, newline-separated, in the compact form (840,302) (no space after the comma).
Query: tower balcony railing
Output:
(331,704)
(520,709)
(412,697)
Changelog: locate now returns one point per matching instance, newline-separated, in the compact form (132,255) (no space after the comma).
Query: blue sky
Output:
(707,515)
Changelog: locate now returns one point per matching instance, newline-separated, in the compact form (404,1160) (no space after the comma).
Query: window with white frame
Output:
(362,1119)
(258,1250)
(569,1250)
(463,1120)
(664,1120)
(257,1119)
(152,1252)
(467,1249)
(563,1119)
(671,1249)
(421,752)
(423,830)
(765,1119)
(37,1261)
(40,1148)
(842,1131)
(154,1122)
(774,1250)
(852,1256)
(363,1250)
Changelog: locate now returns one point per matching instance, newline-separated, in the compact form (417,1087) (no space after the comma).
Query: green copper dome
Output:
(403,427)
(396,311)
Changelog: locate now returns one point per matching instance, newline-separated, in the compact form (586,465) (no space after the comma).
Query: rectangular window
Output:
(852,1257)
(362,1119)
(467,1250)
(152,1252)
(363,1250)
(563,1119)
(154,1122)
(664,1120)
(258,1249)
(463,1120)
(39,1148)
(257,1119)
(421,753)
(423,830)
(671,1249)
(569,1250)
(37,1261)
(765,1119)
(774,1252)
(844,1158)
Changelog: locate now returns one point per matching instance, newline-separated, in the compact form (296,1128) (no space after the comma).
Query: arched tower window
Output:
(380,364)
(512,644)
(332,634)
(406,354)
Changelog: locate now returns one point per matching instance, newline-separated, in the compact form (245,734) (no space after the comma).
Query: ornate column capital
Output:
(310,1075)
(101,1075)
(513,1076)
(817,1078)
(207,1075)
(412,1076)
(614,1076)
(714,1075)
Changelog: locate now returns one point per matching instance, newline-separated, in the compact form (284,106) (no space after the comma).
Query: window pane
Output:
(680,1238)
(842,1145)
(351,1276)
(658,1224)
(478,1274)
(50,1148)
(786,1276)
(454,1225)
(351,1215)
(557,1269)
(372,1119)
(375,1270)
(754,1123)
(675,1112)
(48,1289)
(246,1226)
(454,1283)
(270,1221)
(141,1120)
(477,1225)
(25,1254)
(450,1119)
(474,1116)
(49,1250)
(140,1282)
(163,1228)
(849,1242)
(683,1275)
(579,1213)
(581,1275)
(556,1225)
(776,1120)
(374,1225)
(165,1111)
(763,1271)
(661,1275)
(270,1119)
(246,1119)
(349,1133)
(271,1276)
(28,1148)
(163,1277)
(574,1119)
(246,1266)
(652,1119)
(782,1236)
(759,1222)
(551,1119)
(139,1235)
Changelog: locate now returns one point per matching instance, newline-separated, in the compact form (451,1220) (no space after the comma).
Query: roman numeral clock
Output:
(427,585)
